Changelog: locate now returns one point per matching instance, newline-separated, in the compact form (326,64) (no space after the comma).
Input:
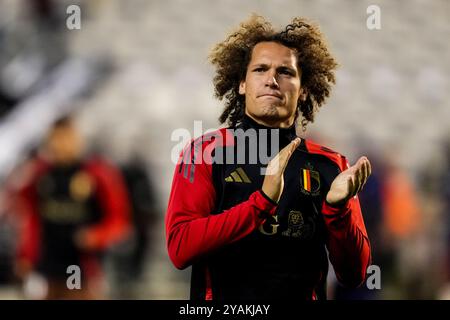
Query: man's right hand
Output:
(273,181)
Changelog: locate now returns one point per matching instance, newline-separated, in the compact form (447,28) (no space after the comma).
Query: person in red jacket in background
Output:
(71,210)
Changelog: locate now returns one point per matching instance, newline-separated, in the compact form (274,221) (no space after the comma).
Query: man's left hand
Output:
(349,182)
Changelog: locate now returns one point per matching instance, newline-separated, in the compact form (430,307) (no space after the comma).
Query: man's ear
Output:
(242,87)
(303,94)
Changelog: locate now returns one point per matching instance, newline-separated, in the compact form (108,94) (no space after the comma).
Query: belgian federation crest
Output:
(309,182)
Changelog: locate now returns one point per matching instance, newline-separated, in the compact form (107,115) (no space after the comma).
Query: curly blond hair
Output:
(232,56)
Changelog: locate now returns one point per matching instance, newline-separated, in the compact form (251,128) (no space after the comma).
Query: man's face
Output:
(64,144)
(272,85)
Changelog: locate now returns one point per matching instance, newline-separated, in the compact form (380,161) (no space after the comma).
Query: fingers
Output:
(351,186)
(369,166)
(278,164)
(358,180)
(273,183)
(366,171)
(362,173)
(288,151)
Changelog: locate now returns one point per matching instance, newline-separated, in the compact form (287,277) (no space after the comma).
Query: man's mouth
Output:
(273,95)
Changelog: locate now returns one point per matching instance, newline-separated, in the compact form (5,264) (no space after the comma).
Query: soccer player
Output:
(73,208)
(257,230)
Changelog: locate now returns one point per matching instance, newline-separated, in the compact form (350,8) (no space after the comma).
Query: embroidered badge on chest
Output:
(299,226)
(309,181)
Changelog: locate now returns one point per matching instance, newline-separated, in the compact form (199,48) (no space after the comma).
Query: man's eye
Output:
(286,72)
(259,70)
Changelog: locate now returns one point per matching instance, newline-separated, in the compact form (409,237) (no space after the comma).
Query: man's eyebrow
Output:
(262,64)
(286,67)
(259,65)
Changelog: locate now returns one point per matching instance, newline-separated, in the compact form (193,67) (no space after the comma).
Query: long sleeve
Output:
(191,229)
(347,243)
(114,202)
(23,190)
(29,232)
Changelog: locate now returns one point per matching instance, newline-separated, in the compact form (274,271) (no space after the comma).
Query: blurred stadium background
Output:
(138,69)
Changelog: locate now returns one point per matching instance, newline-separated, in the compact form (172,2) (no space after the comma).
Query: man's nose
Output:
(271,80)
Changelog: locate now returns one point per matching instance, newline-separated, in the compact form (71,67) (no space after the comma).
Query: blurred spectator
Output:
(71,210)
(444,186)
(402,234)
(435,178)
